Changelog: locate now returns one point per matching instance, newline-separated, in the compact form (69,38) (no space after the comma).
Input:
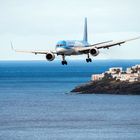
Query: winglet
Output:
(12,46)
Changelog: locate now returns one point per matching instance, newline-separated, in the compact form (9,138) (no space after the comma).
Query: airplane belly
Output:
(72,51)
(69,51)
(61,51)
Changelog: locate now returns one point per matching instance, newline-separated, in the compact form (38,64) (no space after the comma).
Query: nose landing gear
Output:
(64,62)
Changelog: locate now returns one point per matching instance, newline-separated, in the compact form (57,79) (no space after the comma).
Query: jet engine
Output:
(50,56)
(94,52)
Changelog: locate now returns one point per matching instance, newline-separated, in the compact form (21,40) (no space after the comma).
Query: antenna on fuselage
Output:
(85,38)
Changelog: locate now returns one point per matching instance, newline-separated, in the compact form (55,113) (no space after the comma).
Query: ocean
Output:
(36,103)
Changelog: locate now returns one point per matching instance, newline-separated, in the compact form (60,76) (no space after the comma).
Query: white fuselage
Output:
(70,47)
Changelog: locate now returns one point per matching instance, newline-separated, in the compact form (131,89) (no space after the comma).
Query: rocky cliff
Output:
(109,87)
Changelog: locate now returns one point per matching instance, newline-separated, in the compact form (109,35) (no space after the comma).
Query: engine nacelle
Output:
(94,52)
(50,56)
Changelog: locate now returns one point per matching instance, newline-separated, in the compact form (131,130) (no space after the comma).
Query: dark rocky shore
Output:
(109,87)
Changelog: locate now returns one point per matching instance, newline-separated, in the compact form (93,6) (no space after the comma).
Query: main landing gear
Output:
(64,62)
(88,59)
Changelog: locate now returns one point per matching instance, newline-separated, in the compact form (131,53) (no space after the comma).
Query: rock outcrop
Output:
(109,87)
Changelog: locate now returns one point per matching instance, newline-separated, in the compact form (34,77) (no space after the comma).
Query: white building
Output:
(129,70)
(117,76)
(132,77)
(136,66)
(96,77)
(115,70)
(132,74)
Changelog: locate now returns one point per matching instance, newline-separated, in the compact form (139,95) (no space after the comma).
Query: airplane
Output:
(77,47)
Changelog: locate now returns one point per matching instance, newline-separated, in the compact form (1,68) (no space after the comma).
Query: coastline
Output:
(108,87)
(113,81)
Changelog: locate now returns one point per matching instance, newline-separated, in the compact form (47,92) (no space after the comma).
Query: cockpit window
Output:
(61,43)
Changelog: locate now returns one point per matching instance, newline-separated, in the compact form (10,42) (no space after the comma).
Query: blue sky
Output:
(38,25)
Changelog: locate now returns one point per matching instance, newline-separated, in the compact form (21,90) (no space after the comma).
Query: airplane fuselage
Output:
(69,47)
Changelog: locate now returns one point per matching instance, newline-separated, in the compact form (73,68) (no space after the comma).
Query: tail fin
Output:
(85,38)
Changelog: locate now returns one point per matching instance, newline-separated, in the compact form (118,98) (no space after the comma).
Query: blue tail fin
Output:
(85,38)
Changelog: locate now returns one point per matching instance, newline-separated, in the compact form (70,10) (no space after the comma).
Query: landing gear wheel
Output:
(89,60)
(64,63)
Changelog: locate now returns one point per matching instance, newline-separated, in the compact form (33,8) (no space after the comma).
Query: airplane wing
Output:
(32,51)
(99,43)
(105,45)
